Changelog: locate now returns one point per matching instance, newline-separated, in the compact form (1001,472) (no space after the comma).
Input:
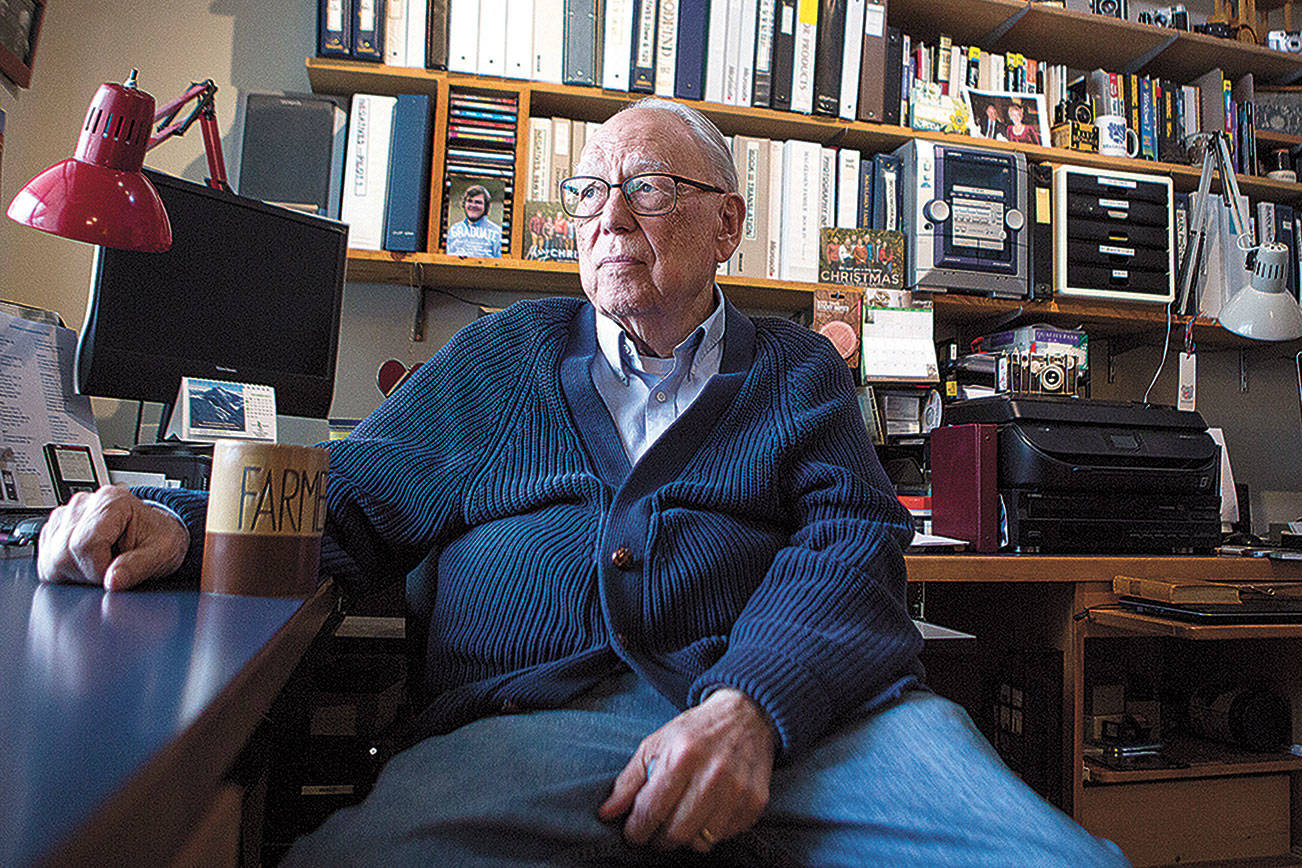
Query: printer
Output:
(1067,475)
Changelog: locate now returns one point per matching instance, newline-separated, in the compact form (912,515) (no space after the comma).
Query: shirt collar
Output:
(620,351)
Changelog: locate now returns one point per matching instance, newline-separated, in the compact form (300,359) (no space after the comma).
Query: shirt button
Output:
(660,396)
(622,558)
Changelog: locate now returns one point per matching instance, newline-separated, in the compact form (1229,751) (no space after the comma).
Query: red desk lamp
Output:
(99,195)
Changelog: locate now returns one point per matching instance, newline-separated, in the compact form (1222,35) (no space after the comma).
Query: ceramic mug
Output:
(266,512)
(1115,138)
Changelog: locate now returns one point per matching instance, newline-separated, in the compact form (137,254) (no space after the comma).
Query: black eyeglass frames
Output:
(648,194)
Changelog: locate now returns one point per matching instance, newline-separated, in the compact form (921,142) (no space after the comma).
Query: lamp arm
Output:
(202,92)
(1230,186)
(1216,158)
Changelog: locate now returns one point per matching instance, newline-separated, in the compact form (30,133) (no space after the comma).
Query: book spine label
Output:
(764,29)
(407,198)
(368,29)
(693,19)
(802,81)
(666,48)
(642,78)
(784,48)
(334,28)
(463,36)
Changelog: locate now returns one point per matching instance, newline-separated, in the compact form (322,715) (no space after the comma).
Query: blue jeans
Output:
(913,783)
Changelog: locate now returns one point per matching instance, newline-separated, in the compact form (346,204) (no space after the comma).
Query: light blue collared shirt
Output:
(645,394)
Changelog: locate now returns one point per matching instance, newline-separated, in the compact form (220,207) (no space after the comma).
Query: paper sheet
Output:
(898,343)
(39,405)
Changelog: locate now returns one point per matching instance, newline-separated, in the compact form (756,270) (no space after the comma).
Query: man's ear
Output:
(732,215)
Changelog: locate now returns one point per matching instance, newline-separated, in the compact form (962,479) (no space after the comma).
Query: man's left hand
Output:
(699,779)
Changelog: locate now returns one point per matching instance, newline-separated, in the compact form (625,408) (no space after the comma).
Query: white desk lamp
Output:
(1263,309)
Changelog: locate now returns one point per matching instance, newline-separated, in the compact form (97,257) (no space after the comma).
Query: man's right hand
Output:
(111,538)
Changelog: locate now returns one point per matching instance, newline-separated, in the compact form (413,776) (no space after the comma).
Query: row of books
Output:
(793,190)
(1164,113)
(827,57)
(385,197)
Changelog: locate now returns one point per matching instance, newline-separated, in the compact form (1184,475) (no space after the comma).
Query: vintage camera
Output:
(1073,110)
(1285,40)
(1218,29)
(1054,375)
(1112,8)
(1175,17)
(1042,374)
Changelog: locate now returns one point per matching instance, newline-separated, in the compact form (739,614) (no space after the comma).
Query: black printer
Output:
(1083,476)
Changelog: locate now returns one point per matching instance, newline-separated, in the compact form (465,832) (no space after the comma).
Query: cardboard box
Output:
(1076,135)
(1042,340)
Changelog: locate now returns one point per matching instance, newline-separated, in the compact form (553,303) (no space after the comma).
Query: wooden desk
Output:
(122,712)
(1032,601)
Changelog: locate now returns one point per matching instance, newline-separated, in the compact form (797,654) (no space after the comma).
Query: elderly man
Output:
(657,567)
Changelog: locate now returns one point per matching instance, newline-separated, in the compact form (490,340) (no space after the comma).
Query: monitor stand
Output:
(181,448)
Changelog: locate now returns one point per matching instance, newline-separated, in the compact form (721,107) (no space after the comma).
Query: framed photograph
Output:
(474,208)
(1008,117)
(549,233)
(20,26)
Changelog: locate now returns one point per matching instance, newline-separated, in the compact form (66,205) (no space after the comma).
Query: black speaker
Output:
(293,151)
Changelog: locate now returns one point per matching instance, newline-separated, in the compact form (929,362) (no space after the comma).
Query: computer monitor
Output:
(248,292)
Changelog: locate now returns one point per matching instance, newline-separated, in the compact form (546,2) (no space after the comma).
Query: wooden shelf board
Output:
(1101,318)
(1055,35)
(330,75)
(1089,568)
(1206,760)
(337,76)
(1133,623)
(1193,54)
(1273,137)
(931,18)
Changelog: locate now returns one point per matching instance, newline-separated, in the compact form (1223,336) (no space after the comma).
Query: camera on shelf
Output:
(1112,8)
(1073,110)
(1285,40)
(1042,373)
(1175,17)
(1219,29)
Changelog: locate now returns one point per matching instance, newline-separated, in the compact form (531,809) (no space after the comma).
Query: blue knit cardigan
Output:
(763,542)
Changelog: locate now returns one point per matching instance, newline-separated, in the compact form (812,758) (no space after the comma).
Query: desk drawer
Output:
(1197,820)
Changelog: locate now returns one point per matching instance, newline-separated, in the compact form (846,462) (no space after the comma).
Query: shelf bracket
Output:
(418,319)
(998,33)
(1147,57)
(997,322)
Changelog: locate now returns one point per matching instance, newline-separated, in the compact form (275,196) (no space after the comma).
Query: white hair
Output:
(707,135)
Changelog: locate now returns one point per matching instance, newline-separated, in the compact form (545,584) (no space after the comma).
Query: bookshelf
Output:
(1081,40)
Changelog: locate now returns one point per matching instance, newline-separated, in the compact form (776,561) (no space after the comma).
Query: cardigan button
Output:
(622,558)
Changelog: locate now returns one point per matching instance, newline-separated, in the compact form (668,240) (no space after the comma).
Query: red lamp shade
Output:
(99,195)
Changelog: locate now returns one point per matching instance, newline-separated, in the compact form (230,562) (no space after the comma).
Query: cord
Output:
(1166,346)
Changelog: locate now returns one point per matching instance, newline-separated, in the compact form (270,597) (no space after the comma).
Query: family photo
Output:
(1008,117)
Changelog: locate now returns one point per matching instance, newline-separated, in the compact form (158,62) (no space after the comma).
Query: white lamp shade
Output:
(1264,310)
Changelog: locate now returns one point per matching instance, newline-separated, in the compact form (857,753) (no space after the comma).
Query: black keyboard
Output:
(30,521)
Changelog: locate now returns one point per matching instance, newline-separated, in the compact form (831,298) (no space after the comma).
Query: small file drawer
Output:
(1113,235)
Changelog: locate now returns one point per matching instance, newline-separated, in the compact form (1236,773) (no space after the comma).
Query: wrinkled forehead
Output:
(641,141)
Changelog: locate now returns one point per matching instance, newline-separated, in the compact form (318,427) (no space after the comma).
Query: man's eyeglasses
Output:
(648,195)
